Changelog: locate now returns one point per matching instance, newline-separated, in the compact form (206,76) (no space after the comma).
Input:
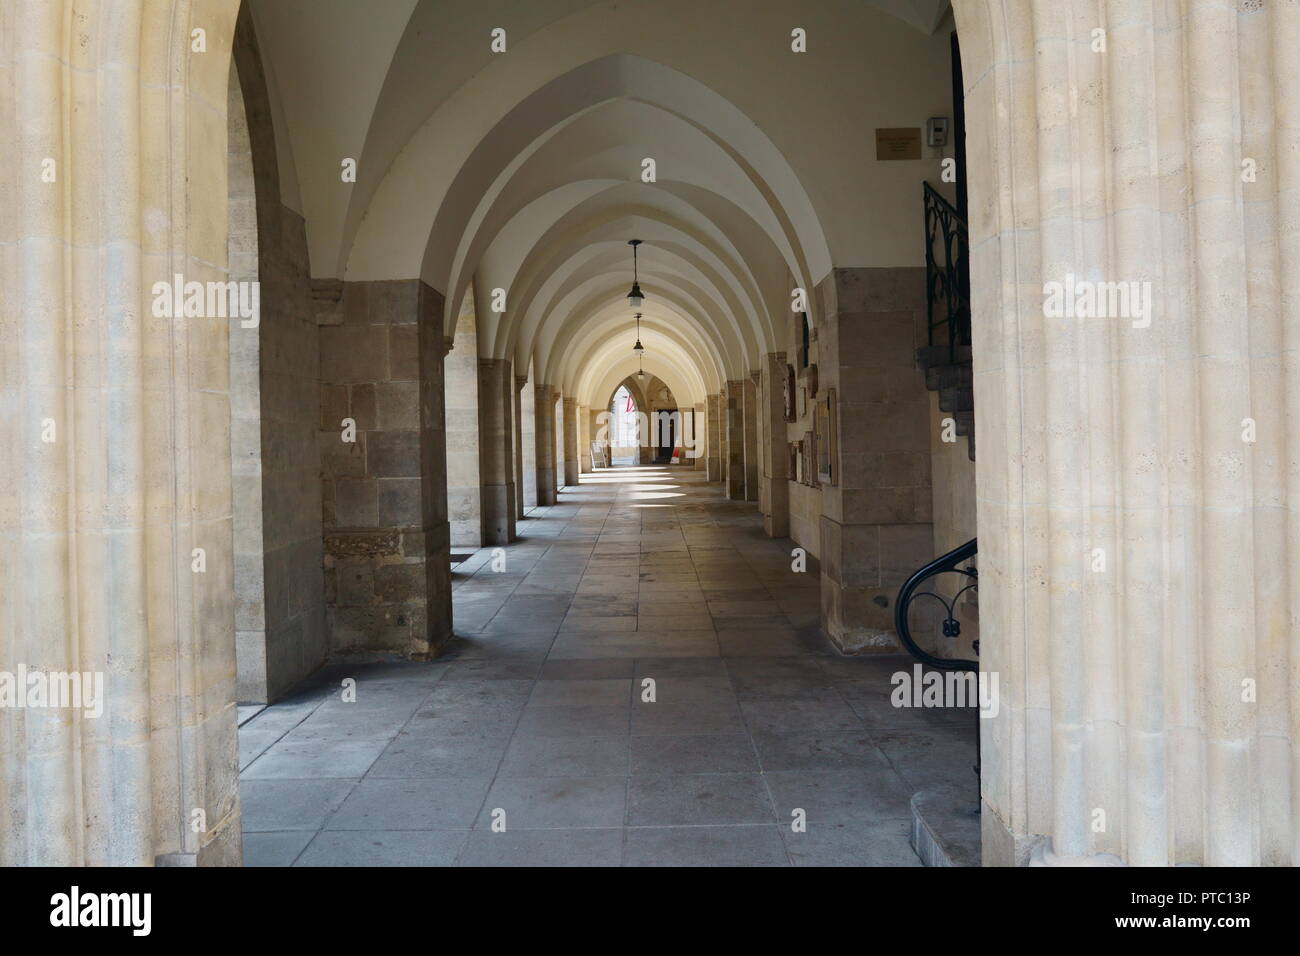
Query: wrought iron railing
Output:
(947,273)
(950,563)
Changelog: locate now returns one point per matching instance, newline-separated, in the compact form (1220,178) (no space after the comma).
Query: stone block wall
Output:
(876,521)
(385,526)
(279,593)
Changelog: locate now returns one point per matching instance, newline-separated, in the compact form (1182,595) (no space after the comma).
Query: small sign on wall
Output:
(898,143)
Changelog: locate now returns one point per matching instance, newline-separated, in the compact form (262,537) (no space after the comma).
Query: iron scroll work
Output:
(950,563)
(947,273)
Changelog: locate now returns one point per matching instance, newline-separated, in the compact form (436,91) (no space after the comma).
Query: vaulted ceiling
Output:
(522,171)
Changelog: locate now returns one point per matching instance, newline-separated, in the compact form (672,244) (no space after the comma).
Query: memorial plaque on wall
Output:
(791,411)
(898,143)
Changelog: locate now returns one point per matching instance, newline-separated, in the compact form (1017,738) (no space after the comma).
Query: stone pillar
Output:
(571,463)
(875,525)
(495,448)
(464,435)
(432,623)
(116,538)
(774,459)
(598,430)
(584,438)
(1139,500)
(512,449)
(699,419)
(544,399)
(713,440)
(751,436)
(280,634)
(527,442)
(735,438)
(387,534)
(557,429)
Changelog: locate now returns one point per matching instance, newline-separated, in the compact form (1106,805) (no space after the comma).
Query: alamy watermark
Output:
(208,300)
(1085,299)
(659,429)
(921,688)
(35,689)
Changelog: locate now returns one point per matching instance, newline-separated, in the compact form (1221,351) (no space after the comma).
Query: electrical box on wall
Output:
(936,131)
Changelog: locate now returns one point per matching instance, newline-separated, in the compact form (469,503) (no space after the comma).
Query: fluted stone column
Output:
(544,398)
(1139,497)
(496,444)
(713,440)
(735,426)
(571,464)
(751,436)
(774,459)
(116,540)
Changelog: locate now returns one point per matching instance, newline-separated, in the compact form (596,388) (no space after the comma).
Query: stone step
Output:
(946,826)
(956,400)
(965,422)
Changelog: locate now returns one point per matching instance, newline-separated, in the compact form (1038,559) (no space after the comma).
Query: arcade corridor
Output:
(537,711)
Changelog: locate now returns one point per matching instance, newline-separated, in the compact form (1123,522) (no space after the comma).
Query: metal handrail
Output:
(948,280)
(948,563)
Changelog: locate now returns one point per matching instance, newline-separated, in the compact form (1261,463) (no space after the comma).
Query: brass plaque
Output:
(901,143)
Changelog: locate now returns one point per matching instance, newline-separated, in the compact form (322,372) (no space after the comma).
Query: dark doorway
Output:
(665,436)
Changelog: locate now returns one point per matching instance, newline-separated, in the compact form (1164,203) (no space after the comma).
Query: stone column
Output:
(735,431)
(116,538)
(495,447)
(713,440)
(544,399)
(571,463)
(512,447)
(1139,500)
(464,432)
(774,459)
(584,438)
(751,436)
(524,421)
(276,418)
(432,621)
(876,511)
(528,442)
(698,428)
(387,533)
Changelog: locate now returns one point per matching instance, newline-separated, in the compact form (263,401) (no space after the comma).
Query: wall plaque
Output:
(898,143)
(791,409)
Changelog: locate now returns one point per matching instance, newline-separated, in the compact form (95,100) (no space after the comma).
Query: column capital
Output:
(520,382)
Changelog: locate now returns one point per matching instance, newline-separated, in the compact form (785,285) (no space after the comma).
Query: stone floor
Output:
(537,716)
